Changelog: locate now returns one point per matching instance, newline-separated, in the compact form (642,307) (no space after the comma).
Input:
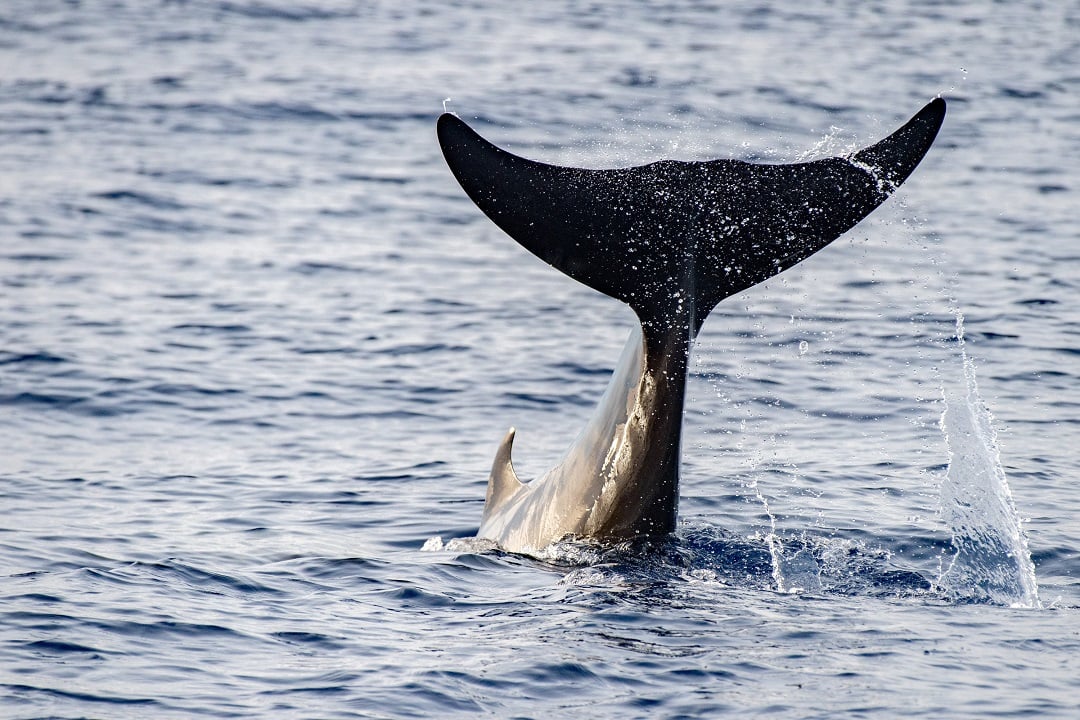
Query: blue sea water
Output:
(257,350)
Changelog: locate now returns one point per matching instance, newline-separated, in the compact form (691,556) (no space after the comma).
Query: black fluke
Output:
(722,225)
(670,239)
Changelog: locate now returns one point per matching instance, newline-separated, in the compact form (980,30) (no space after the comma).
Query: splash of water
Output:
(991,561)
(772,541)
(794,567)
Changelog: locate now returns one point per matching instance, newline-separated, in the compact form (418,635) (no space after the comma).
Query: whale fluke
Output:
(671,239)
(720,226)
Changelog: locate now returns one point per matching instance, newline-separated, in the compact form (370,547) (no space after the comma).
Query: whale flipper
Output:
(671,239)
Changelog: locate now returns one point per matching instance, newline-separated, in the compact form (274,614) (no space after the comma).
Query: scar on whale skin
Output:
(699,232)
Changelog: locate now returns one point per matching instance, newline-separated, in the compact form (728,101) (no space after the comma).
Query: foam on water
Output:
(991,561)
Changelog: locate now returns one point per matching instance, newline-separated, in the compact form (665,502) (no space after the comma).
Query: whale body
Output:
(670,239)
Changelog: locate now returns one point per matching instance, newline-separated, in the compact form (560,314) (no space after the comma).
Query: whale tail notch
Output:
(663,233)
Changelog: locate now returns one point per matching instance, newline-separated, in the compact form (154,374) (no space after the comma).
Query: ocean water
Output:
(257,350)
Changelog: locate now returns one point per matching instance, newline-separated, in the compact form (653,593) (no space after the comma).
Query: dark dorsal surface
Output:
(706,230)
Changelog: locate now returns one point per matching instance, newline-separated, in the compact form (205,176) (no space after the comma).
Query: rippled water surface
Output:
(257,349)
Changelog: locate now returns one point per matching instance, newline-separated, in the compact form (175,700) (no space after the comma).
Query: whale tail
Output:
(670,233)
(670,239)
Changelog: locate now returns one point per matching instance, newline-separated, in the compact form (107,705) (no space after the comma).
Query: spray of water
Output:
(772,541)
(991,560)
